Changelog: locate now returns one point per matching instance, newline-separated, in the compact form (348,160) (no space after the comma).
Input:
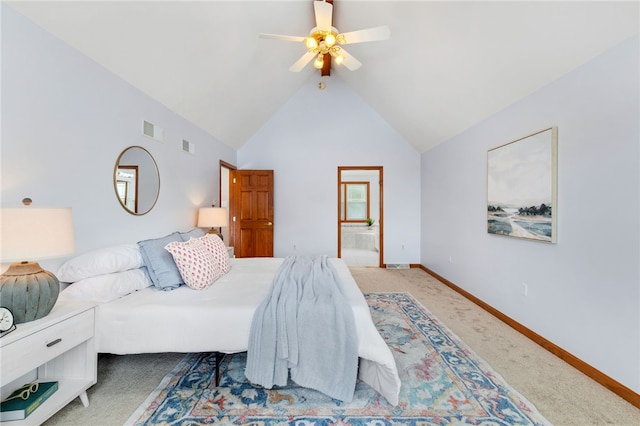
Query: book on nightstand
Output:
(17,408)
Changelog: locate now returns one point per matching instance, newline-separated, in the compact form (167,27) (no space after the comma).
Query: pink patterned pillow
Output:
(195,263)
(216,247)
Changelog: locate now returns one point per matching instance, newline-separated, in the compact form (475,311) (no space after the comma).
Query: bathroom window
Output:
(355,201)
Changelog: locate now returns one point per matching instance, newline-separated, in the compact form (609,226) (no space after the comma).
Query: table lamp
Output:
(212,217)
(29,234)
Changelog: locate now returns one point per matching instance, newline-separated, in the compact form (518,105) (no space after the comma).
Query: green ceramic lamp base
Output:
(29,291)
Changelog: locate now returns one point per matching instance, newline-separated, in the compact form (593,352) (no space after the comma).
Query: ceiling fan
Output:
(325,41)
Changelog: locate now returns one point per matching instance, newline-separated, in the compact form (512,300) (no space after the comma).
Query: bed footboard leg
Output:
(219,357)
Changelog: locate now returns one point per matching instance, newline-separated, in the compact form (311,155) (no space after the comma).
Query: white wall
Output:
(584,291)
(304,143)
(65,120)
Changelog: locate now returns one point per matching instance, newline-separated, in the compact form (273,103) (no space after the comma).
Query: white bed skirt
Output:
(219,319)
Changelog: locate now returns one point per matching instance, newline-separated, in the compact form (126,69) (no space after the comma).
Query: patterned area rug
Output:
(443,383)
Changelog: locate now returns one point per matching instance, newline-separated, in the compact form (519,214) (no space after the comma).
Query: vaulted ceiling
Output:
(447,66)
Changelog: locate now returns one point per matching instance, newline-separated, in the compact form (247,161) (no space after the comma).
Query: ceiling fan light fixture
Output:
(330,39)
(325,40)
(321,41)
(335,54)
(311,43)
(319,62)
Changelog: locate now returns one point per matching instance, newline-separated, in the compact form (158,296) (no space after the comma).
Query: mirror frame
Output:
(115,181)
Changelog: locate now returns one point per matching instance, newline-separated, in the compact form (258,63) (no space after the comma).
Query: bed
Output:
(218,319)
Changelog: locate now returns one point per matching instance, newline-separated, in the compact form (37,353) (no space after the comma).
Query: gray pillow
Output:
(194,233)
(161,268)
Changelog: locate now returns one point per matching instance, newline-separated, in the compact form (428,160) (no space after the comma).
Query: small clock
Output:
(7,324)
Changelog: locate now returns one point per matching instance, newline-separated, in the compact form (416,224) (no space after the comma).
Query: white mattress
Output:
(219,319)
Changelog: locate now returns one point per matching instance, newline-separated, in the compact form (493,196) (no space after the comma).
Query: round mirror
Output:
(136,180)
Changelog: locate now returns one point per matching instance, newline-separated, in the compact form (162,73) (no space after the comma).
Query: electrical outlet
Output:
(450,259)
(295,247)
(525,289)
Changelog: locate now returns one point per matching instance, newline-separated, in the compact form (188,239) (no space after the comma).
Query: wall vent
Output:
(397,266)
(188,146)
(153,131)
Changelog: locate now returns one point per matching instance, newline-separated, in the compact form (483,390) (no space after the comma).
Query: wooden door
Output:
(251,201)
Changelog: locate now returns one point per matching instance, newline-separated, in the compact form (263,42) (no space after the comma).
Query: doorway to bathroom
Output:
(360,215)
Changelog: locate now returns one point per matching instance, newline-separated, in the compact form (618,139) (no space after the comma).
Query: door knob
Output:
(269,223)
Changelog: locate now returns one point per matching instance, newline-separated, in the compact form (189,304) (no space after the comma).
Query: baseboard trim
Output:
(597,375)
(411,265)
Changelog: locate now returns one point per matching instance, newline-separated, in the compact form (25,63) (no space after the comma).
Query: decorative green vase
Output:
(29,291)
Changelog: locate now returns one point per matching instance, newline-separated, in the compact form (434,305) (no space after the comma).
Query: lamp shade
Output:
(212,217)
(34,233)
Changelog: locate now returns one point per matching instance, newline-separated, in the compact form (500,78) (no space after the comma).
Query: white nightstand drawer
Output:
(46,344)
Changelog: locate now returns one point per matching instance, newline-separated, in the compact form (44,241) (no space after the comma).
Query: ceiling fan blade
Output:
(281,37)
(323,12)
(300,63)
(349,61)
(370,34)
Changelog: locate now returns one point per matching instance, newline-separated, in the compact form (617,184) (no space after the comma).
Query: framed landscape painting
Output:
(521,187)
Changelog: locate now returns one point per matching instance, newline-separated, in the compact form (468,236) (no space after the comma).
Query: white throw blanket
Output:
(305,326)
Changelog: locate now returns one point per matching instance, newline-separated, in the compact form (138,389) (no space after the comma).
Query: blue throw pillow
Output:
(194,233)
(161,268)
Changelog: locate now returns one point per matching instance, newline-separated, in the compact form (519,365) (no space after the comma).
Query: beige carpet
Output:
(562,394)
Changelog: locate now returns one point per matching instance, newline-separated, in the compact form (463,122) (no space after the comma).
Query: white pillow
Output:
(102,261)
(108,287)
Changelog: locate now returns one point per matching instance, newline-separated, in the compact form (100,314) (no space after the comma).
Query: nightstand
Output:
(59,347)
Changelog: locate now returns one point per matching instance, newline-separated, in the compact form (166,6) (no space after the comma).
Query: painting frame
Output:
(522,198)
